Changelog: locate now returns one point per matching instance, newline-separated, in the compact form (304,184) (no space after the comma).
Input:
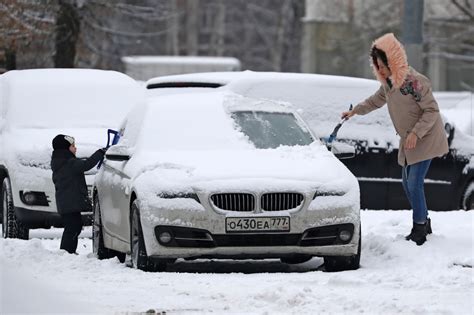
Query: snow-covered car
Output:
(321,99)
(35,106)
(220,175)
(458,108)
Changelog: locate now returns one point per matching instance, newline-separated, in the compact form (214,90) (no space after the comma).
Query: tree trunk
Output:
(192,27)
(10,60)
(67,34)
(173,30)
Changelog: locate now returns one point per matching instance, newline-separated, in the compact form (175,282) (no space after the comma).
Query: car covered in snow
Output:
(458,108)
(35,106)
(320,100)
(220,175)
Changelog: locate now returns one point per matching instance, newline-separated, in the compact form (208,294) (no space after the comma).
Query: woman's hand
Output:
(410,142)
(347,115)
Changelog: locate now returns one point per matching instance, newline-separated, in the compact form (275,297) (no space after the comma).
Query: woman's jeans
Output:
(413,179)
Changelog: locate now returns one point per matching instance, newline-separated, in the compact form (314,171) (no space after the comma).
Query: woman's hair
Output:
(380,54)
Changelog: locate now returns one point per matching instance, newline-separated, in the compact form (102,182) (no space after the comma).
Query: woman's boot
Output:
(418,234)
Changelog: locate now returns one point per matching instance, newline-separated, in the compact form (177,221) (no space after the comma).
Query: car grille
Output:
(281,201)
(234,201)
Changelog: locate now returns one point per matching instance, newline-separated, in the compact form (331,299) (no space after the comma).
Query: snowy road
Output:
(396,277)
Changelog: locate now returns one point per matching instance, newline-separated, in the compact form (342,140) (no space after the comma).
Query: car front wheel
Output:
(98,246)
(11,226)
(139,257)
(341,263)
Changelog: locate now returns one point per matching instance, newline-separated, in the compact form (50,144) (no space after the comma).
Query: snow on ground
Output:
(396,277)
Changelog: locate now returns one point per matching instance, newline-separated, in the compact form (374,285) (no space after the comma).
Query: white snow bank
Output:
(396,277)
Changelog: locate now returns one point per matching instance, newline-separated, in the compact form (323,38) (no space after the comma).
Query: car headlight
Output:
(179,195)
(328,193)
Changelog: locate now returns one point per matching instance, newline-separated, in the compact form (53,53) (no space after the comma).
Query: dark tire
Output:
(98,246)
(296,259)
(11,226)
(342,263)
(468,197)
(139,257)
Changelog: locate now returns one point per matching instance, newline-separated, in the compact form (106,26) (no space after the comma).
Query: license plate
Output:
(257,224)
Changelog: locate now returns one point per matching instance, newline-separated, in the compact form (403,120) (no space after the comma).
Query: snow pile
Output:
(396,277)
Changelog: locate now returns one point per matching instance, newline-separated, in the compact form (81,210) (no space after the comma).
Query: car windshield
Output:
(268,130)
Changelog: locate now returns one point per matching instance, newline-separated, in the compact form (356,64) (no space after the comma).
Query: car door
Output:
(114,196)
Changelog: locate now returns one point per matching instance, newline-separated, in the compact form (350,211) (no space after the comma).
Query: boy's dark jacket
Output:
(69,180)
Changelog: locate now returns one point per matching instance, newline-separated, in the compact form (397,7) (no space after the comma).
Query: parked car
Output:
(35,106)
(220,175)
(320,100)
(458,108)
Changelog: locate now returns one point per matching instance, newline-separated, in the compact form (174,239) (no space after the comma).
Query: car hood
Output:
(33,147)
(286,168)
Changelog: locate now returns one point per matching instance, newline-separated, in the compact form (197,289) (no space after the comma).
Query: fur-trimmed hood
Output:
(396,57)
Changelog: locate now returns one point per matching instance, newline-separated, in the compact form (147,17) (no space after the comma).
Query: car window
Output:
(270,130)
(183,84)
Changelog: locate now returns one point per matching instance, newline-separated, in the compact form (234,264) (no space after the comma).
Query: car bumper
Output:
(34,219)
(199,234)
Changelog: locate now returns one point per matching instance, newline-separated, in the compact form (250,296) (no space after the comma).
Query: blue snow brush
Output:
(115,140)
(333,135)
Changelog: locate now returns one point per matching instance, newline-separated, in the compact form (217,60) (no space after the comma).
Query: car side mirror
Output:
(118,153)
(342,150)
(117,157)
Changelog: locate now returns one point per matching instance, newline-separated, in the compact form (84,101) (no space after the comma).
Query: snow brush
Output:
(333,135)
(115,139)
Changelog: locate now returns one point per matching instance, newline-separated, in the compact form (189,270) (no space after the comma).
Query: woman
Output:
(415,116)
(71,189)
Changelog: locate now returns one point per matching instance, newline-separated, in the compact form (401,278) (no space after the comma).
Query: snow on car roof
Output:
(193,120)
(44,98)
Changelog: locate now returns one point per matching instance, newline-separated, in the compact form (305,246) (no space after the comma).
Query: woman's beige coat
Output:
(411,105)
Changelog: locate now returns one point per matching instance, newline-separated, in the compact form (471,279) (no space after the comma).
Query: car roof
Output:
(71,97)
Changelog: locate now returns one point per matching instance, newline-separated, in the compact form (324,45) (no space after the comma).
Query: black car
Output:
(449,183)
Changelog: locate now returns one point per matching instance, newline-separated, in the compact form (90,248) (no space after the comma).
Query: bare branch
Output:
(463,9)
(92,24)
(21,22)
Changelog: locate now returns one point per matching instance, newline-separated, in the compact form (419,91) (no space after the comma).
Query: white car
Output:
(35,106)
(220,175)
